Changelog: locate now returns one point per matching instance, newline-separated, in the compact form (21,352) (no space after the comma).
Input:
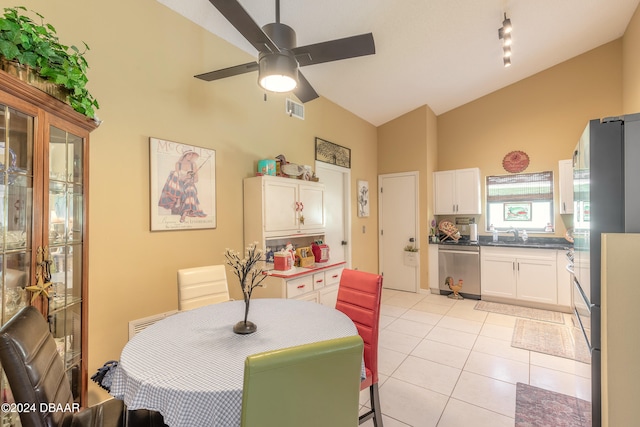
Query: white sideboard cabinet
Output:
(457,192)
(283,210)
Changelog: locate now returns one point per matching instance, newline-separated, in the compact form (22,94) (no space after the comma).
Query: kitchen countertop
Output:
(555,243)
(301,271)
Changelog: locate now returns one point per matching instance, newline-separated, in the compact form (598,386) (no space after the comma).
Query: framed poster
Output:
(183,186)
(517,211)
(363,199)
(334,154)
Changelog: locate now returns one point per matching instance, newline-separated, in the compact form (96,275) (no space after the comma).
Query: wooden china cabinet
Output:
(44,152)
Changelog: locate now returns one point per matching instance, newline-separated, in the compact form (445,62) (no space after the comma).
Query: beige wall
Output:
(543,115)
(631,65)
(409,143)
(142,59)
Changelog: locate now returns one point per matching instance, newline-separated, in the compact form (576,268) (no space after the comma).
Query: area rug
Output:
(514,310)
(536,407)
(548,338)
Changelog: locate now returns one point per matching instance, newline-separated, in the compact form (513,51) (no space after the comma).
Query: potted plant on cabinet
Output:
(29,49)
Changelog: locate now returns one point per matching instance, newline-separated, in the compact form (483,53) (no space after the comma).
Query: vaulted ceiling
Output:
(443,53)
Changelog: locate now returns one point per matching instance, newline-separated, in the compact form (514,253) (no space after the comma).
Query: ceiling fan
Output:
(279,58)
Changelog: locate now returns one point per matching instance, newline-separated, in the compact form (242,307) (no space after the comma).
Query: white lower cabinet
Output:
(536,279)
(300,286)
(498,275)
(320,286)
(564,280)
(433,270)
(519,274)
(329,294)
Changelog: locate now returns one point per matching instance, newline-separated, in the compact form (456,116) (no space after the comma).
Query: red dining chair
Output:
(359,295)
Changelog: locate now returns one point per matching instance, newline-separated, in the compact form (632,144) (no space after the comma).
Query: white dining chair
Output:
(199,286)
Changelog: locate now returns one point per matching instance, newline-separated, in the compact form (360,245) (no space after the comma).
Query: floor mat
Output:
(548,338)
(514,310)
(536,407)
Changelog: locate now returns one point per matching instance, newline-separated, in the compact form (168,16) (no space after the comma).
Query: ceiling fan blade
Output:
(228,72)
(242,21)
(304,91)
(334,50)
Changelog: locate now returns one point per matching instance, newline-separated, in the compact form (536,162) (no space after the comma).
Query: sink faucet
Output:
(515,233)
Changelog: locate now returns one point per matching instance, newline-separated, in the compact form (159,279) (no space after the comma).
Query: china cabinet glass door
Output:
(63,248)
(43,254)
(16,207)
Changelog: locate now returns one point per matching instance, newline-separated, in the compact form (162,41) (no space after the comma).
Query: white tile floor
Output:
(442,363)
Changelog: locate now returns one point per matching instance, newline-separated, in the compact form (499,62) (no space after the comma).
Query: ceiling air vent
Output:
(294,109)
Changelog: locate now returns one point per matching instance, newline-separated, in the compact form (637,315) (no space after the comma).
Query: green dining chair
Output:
(310,385)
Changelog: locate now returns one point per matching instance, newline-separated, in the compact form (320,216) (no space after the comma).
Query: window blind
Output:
(524,187)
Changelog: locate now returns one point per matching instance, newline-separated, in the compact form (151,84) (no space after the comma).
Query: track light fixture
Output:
(504,34)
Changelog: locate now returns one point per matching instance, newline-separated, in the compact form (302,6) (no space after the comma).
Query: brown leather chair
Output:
(36,376)
(359,295)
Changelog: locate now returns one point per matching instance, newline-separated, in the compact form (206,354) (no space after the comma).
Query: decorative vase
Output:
(245,327)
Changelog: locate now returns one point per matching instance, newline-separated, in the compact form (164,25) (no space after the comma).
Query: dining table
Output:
(190,366)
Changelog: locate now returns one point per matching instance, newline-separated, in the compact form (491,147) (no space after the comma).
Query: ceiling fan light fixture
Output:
(278,72)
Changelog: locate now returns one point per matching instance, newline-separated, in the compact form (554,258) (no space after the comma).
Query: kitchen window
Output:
(523,201)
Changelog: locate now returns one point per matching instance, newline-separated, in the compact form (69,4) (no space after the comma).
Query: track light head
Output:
(506,24)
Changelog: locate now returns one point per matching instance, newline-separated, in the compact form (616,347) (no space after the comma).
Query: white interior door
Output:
(399,223)
(336,181)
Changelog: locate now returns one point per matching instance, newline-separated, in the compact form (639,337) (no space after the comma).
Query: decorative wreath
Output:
(515,161)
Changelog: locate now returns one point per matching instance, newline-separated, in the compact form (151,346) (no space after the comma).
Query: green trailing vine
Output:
(37,46)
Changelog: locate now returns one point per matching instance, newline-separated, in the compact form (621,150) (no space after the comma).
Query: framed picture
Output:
(183,186)
(517,211)
(363,199)
(334,154)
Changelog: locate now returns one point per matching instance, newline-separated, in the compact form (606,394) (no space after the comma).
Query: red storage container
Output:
(320,251)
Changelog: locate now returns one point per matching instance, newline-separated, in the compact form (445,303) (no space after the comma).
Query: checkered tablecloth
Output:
(190,366)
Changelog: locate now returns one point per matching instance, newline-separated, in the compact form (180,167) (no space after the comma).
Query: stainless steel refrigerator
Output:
(606,179)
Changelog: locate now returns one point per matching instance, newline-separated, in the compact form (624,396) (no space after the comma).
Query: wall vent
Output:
(138,325)
(294,109)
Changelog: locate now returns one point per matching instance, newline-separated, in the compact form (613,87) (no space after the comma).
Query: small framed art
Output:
(363,198)
(517,211)
(334,154)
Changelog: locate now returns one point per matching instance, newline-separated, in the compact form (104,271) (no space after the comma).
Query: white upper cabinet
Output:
(311,208)
(277,206)
(280,205)
(565,186)
(457,192)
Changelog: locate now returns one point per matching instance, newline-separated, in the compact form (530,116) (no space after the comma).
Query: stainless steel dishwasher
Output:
(460,261)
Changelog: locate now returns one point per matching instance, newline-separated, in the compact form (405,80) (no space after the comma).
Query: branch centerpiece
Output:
(248,270)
